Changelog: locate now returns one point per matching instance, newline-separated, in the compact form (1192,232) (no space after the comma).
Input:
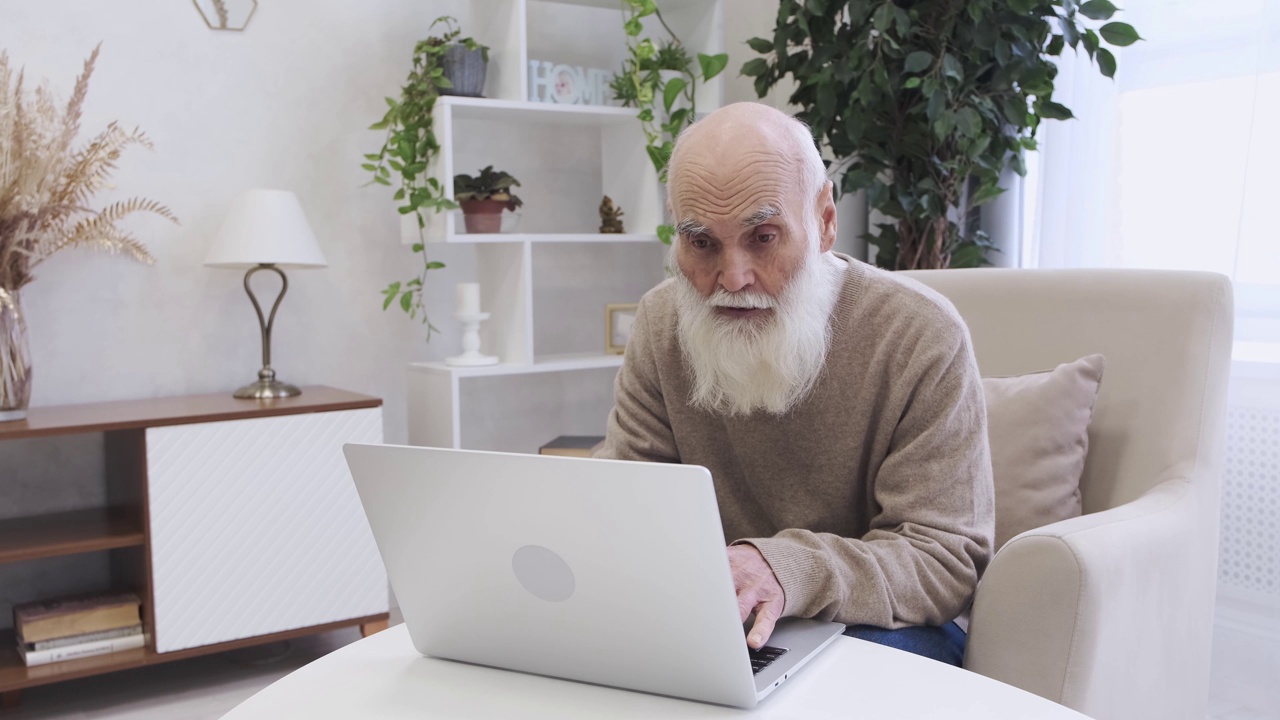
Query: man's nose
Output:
(736,272)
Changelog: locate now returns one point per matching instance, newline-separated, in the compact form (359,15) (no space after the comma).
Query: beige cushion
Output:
(1039,430)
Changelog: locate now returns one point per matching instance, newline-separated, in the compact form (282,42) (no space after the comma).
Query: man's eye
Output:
(765,237)
(700,243)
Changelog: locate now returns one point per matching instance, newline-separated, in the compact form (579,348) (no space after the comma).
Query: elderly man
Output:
(838,407)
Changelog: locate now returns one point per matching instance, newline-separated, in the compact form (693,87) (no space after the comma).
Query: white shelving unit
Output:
(508,131)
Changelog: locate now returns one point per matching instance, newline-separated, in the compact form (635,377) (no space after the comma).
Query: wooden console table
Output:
(235,521)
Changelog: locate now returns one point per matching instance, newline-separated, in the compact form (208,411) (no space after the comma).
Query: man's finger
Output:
(747,601)
(766,618)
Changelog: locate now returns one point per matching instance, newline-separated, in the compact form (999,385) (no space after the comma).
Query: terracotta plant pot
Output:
(483,216)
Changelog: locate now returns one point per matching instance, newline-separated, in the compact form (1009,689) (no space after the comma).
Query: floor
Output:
(206,688)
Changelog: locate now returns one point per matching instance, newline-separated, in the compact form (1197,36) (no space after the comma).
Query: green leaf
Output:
(391,103)
(1106,62)
(826,100)
(417,247)
(435,265)
(1119,34)
(917,61)
(912,82)
(1070,31)
(937,103)
(399,195)
(633,27)
(404,209)
(645,49)
(1055,45)
(672,92)
(760,45)
(390,292)
(646,115)
(1018,164)
(383,125)
(968,121)
(1053,111)
(987,194)
(712,65)
(883,17)
(381,180)
(372,156)
(757,66)
(1098,10)
(665,233)
(951,67)
(370,167)
(1090,42)
(406,301)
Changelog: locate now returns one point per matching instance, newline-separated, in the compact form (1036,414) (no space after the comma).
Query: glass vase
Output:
(15,359)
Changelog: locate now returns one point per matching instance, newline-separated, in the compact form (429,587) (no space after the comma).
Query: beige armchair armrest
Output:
(1106,611)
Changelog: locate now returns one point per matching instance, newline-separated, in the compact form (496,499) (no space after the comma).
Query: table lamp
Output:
(266,230)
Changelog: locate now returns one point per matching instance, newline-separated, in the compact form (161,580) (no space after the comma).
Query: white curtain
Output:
(1175,164)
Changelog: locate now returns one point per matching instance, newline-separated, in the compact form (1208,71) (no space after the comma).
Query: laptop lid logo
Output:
(543,573)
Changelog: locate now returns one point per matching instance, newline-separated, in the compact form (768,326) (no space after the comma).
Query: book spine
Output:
(71,652)
(89,637)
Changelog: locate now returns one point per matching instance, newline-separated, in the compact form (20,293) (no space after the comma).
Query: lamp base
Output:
(267,388)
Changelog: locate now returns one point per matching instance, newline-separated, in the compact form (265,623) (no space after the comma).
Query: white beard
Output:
(740,366)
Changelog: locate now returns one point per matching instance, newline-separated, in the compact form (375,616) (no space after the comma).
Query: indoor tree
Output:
(923,102)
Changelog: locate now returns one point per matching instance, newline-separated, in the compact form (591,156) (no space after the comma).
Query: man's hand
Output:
(758,591)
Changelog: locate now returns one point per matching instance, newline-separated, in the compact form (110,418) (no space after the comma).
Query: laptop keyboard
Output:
(764,657)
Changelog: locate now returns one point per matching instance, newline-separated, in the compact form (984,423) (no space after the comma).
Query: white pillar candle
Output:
(468,299)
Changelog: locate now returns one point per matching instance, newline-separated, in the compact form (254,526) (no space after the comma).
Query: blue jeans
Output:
(944,644)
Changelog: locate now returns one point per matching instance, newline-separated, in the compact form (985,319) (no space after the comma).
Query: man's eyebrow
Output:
(761,216)
(691,227)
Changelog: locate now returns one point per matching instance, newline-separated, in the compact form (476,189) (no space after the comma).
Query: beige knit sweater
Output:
(872,498)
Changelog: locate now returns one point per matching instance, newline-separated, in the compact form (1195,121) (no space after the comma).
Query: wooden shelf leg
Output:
(10,699)
(377,626)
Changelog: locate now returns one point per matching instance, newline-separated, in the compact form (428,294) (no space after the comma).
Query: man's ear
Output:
(826,206)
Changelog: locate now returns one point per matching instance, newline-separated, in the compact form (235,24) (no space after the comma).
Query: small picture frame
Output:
(618,320)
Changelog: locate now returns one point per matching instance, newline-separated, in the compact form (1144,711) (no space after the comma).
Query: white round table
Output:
(382,676)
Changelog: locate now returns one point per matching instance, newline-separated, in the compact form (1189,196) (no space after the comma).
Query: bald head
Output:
(732,147)
(748,182)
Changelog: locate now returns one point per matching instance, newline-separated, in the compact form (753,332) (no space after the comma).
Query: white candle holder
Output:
(471,356)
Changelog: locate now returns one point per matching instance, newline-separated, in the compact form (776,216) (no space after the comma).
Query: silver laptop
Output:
(601,571)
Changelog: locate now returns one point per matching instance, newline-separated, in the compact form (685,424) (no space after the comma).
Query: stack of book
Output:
(64,629)
(573,446)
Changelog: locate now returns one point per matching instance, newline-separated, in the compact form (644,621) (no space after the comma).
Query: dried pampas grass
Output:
(46,185)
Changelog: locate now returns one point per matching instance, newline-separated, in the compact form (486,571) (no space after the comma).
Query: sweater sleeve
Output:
(932,534)
(639,428)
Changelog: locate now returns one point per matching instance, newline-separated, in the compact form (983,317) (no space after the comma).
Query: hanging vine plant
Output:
(408,150)
(923,102)
(660,72)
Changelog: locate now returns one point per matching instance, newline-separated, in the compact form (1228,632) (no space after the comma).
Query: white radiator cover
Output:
(1250,551)
(256,527)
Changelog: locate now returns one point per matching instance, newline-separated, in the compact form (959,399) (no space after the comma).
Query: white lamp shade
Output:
(265,227)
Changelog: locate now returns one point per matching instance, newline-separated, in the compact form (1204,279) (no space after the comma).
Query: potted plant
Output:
(45,189)
(923,103)
(484,197)
(465,64)
(410,146)
(662,72)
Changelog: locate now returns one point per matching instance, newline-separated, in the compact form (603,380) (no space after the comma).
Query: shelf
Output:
(15,675)
(157,412)
(549,363)
(469,108)
(68,533)
(552,238)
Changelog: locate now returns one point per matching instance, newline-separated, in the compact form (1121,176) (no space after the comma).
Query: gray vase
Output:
(465,69)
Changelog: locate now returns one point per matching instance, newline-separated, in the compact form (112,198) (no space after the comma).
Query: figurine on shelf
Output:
(610,217)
